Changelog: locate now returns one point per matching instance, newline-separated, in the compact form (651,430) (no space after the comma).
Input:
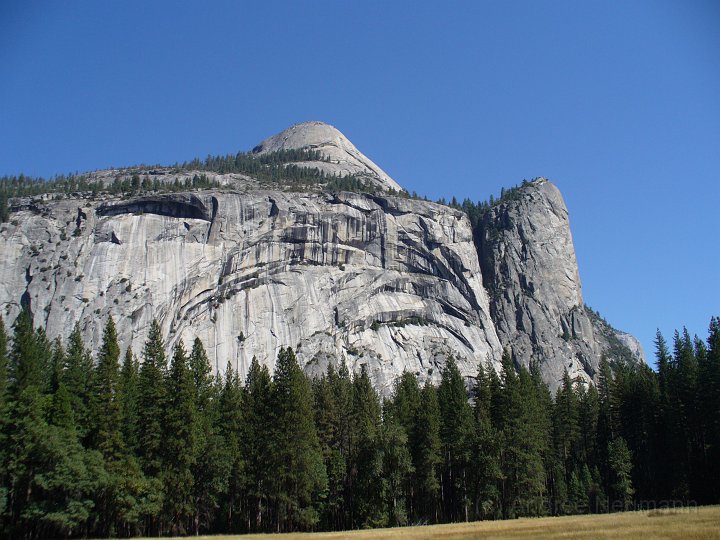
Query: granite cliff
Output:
(376,279)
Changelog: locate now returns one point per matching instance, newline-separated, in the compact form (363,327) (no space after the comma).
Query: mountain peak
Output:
(344,158)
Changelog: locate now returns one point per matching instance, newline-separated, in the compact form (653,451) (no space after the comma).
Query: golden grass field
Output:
(685,524)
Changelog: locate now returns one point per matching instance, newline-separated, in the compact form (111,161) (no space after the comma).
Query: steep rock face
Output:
(392,283)
(531,274)
(383,281)
(344,158)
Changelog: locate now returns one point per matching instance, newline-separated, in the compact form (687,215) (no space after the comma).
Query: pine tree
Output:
(711,400)
(588,411)
(300,476)
(397,470)
(487,473)
(77,376)
(128,397)
(524,443)
(25,365)
(57,362)
(456,435)
(606,430)
(428,455)
(566,418)
(620,461)
(233,465)
(328,419)
(342,389)
(105,433)
(403,411)
(106,406)
(365,463)
(540,420)
(178,445)
(662,362)
(73,483)
(256,444)
(50,479)
(201,372)
(566,436)
(152,401)
(212,466)
(24,427)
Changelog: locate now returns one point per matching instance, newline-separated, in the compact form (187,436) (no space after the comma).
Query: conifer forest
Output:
(104,444)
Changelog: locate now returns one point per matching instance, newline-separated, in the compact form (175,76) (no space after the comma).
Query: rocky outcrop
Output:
(531,274)
(385,281)
(388,282)
(344,158)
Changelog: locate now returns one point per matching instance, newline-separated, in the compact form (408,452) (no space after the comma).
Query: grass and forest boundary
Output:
(681,523)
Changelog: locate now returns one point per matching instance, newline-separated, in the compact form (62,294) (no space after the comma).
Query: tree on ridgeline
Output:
(4,209)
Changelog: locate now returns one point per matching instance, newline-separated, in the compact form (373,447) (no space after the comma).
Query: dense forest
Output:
(105,445)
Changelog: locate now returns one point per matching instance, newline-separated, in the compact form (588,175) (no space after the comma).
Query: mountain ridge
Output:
(393,283)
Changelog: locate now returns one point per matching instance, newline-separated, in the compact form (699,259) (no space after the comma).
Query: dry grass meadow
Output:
(681,524)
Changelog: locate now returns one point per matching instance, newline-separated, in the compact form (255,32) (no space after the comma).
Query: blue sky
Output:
(618,103)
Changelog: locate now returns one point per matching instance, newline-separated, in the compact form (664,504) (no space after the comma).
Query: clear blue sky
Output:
(618,103)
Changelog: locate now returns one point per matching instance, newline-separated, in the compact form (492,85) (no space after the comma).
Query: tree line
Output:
(275,167)
(103,446)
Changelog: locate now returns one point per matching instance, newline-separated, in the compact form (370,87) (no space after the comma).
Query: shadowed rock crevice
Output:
(179,205)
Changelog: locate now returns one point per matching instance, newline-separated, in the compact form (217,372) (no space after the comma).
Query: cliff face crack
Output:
(26,299)
(215,205)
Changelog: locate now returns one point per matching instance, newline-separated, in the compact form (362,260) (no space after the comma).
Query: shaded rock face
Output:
(388,282)
(344,158)
(531,274)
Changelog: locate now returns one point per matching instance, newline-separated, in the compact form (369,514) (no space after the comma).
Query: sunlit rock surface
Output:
(383,281)
(390,282)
